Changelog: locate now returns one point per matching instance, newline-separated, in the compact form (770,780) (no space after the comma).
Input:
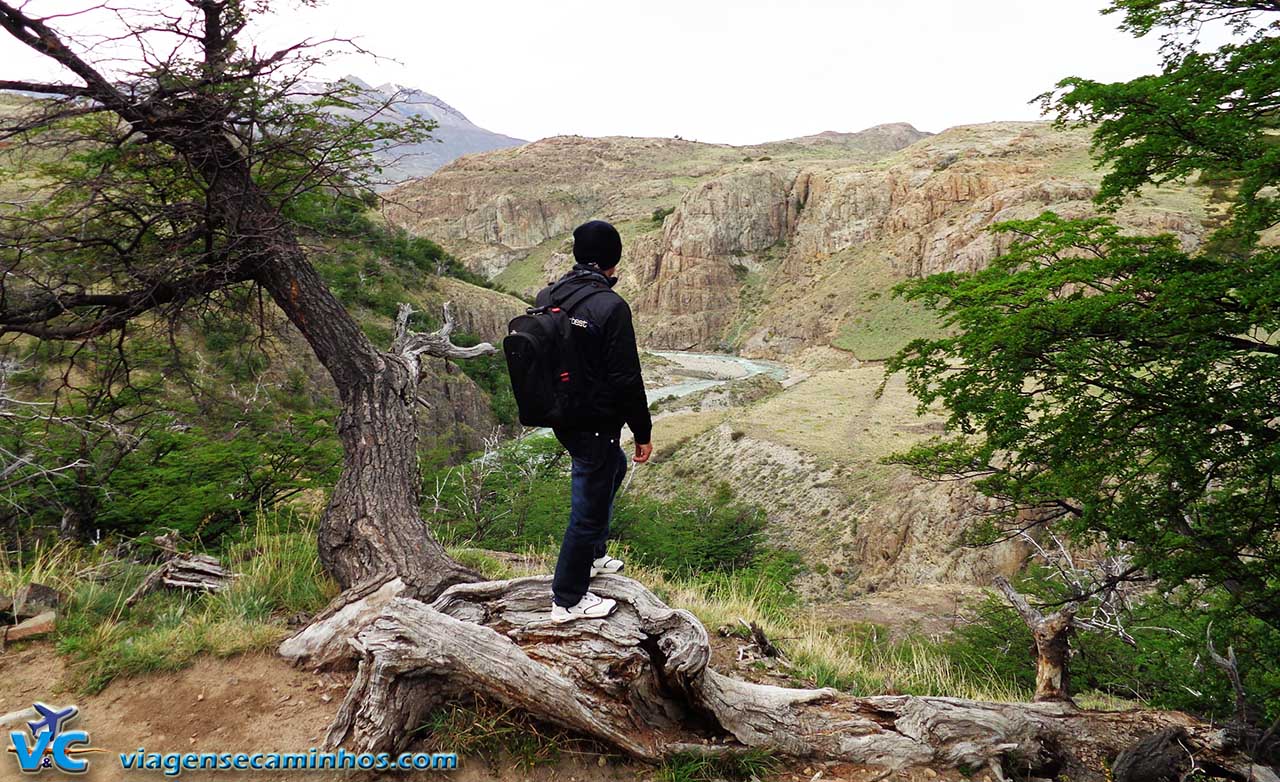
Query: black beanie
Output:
(597,243)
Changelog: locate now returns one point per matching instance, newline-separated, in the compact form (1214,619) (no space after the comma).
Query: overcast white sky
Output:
(737,72)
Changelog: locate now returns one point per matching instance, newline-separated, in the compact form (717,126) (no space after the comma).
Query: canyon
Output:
(720,241)
(789,251)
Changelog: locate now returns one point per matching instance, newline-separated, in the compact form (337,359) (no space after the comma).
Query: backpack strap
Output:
(577,297)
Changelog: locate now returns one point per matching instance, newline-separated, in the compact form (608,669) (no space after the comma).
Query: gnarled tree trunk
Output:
(371,531)
(1052,636)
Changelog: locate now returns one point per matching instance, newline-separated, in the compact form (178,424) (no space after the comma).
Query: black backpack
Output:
(548,384)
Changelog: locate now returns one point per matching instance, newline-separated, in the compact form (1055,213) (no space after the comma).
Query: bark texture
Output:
(198,572)
(640,681)
(1052,636)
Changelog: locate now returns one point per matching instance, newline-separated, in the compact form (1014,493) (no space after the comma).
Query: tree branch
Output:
(43,39)
(1019,602)
(115,308)
(412,345)
(69,90)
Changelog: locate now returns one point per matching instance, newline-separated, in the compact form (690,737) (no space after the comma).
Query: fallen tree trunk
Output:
(640,681)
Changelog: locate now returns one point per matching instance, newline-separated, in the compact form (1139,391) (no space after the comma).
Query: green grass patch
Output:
(875,323)
(279,575)
(517,497)
(701,767)
(527,275)
(881,324)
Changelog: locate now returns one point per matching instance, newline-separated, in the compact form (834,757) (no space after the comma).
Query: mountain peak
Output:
(357,81)
(453,137)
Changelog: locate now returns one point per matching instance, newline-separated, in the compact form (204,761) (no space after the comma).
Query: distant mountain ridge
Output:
(878,139)
(454,136)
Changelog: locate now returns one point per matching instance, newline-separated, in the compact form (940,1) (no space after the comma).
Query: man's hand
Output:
(643,452)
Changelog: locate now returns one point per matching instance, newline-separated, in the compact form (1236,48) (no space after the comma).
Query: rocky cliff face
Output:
(811,227)
(719,232)
(812,456)
(496,209)
(928,209)
(907,532)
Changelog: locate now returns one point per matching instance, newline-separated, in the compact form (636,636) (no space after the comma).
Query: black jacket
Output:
(605,342)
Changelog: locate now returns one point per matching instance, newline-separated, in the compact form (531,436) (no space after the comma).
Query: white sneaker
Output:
(606,564)
(589,607)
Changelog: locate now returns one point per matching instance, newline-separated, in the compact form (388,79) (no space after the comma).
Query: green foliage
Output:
(1183,20)
(490,373)
(119,216)
(1166,668)
(1122,384)
(362,252)
(194,474)
(1120,387)
(1213,112)
(660,214)
(517,497)
(202,483)
(691,534)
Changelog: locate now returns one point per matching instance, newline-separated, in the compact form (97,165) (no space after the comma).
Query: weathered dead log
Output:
(1160,756)
(640,681)
(198,572)
(761,641)
(17,717)
(1168,756)
(1052,636)
(325,642)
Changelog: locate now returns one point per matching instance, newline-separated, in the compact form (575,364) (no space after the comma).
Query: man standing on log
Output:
(604,343)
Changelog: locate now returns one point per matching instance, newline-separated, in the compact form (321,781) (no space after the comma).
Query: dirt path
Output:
(241,704)
(246,703)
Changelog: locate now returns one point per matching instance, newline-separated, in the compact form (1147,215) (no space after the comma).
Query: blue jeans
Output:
(599,466)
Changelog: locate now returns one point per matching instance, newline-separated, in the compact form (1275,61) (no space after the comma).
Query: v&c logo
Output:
(50,744)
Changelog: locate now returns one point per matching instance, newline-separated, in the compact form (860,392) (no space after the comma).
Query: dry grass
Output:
(820,654)
(672,431)
(839,416)
(279,575)
(60,565)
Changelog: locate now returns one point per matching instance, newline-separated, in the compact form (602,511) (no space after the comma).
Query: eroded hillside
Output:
(769,249)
